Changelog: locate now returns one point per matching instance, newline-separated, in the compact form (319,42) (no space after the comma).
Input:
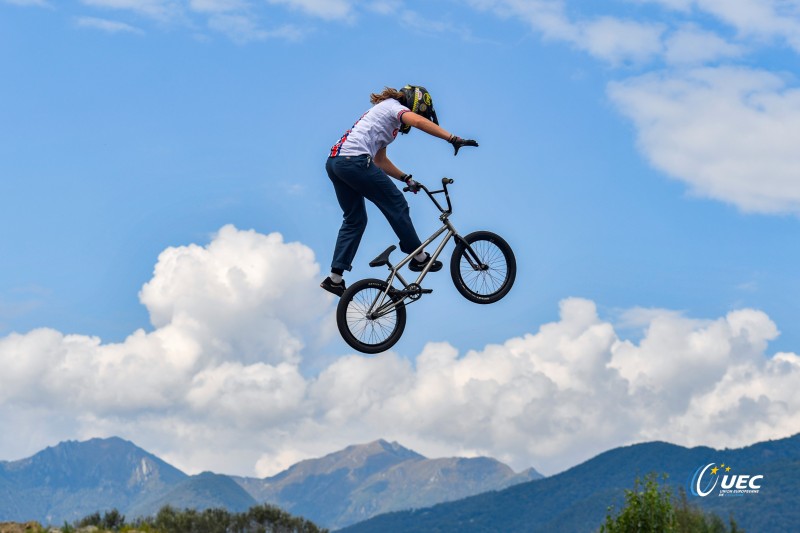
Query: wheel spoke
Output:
(491,280)
(371,331)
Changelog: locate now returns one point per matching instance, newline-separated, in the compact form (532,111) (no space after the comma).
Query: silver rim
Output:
(364,329)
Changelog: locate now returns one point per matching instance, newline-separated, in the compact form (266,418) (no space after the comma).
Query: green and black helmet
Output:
(418,100)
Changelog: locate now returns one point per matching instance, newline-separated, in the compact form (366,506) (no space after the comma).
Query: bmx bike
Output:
(371,314)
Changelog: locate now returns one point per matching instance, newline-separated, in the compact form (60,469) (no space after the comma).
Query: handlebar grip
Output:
(406,189)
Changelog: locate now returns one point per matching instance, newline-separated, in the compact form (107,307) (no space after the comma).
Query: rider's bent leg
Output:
(383,192)
(364,177)
(354,221)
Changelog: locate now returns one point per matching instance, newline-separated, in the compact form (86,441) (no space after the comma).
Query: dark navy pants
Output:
(355,178)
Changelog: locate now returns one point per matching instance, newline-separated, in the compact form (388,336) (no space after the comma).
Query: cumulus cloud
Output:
(230,323)
(727,132)
(218,383)
(238,295)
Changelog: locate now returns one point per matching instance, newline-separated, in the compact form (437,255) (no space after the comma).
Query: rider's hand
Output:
(458,142)
(413,186)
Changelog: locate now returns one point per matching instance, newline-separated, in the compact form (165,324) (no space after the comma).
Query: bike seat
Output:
(382,259)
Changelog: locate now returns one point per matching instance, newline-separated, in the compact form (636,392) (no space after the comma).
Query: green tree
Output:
(93,519)
(650,508)
(691,519)
(111,520)
(647,509)
(258,519)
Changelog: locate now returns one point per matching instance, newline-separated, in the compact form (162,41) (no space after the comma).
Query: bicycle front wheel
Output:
(483,267)
(369,321)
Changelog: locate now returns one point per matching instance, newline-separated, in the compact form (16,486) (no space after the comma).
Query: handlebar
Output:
(445,183)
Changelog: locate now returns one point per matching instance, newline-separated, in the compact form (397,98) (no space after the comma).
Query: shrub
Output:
(650,508)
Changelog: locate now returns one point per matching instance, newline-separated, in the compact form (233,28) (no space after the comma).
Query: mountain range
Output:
(577,500)
(73,479)
(378,477)
(363,488)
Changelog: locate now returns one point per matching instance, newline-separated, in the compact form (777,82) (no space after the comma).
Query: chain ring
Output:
(414,292)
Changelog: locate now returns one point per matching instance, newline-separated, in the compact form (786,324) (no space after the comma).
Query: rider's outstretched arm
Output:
(428,126)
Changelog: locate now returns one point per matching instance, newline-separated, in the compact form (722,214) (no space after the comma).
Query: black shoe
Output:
(417,266)
(335,288)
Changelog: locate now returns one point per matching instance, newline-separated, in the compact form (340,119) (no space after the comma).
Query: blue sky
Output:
(637,154)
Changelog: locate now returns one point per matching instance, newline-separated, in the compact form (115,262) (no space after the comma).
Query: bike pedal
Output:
(406,292)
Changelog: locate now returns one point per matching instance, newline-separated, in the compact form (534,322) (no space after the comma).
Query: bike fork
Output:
(472,257)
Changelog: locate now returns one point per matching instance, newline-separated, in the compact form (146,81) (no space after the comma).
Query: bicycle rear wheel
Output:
(483,267)
(375,332)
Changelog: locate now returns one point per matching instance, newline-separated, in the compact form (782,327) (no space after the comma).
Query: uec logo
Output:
(729,484)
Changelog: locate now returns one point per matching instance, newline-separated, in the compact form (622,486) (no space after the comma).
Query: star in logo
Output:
(714,470)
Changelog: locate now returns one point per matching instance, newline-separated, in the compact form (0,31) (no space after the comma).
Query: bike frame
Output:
(413,291)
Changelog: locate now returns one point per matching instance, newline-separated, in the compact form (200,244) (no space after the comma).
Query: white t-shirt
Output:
(374,130)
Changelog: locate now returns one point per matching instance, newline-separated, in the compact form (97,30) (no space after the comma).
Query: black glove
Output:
(413,186)
(458,142)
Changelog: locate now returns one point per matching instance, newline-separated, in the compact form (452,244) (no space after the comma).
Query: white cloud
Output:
(618,41)
(109,26)
(385,7)
(727,132)
(326,9)
(679,5)
(217,6)
(218,383)
(256,297)
(239,20)
(760,19)
(611,39)
(231,320)
(239,395)
(243,29)
(546,16)
(691,45)
(158,9)
(639,37)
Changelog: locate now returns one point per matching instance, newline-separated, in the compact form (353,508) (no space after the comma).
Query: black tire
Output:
(488,284)
(362,333)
